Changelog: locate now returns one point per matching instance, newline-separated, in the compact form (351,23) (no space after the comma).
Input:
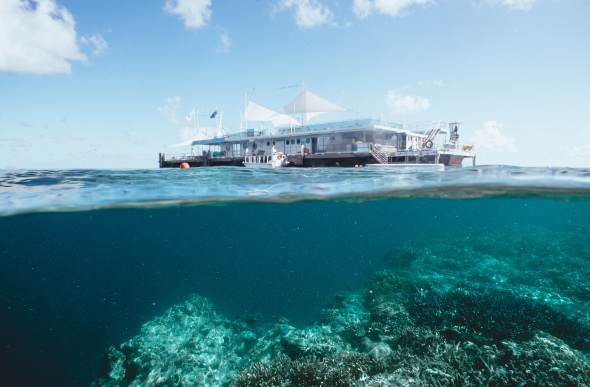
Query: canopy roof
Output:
(257,112)
(311,105)
(197,137)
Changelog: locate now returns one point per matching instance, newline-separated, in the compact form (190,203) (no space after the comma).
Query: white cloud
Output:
(37,37)
(225,44)
(490,137)
(195,13)
(307,13)
(169,111)
(402,104)
(100,45)
(523,5)
(364,8)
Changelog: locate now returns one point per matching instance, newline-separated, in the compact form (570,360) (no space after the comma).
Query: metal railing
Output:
(378,154)
(426,126)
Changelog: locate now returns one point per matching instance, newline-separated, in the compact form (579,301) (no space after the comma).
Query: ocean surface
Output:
(89,256)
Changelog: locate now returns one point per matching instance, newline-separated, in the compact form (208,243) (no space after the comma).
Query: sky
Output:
(110,84)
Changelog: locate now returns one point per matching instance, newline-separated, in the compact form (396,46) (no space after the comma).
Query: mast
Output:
(302,114)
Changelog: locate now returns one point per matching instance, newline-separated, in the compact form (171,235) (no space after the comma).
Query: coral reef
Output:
(477,309)
(189,345)
(496,316)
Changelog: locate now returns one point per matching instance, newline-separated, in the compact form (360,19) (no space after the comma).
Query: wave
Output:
(79,190)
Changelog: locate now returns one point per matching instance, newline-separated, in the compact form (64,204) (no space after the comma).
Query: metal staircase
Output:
(432,131)
(378,154)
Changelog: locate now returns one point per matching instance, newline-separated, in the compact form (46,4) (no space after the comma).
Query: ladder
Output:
(378,154)
(432,131)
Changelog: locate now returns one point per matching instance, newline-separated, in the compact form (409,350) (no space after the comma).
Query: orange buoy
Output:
(184,165)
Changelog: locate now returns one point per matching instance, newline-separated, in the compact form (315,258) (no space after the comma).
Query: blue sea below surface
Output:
(295,269)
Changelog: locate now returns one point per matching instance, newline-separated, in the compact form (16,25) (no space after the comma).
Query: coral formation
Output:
(478,309)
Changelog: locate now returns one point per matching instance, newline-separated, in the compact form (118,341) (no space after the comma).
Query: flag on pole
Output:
(214,114)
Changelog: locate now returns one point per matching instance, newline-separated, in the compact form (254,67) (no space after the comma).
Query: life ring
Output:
(428,144)
(306,151)
(279,156)
(456,135)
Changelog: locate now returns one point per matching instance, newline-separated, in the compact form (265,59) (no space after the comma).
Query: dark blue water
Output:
(74,281)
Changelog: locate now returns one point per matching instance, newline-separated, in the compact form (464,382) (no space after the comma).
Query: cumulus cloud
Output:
(225,44)
(523,5)
(403,104)
(307,13)
(100,45)
(491,137)
(169,110)
(363,8)
(195,13)
(37,37)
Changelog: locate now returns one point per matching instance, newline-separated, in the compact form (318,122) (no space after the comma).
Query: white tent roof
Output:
(257,112)
(311,105)
(199,136)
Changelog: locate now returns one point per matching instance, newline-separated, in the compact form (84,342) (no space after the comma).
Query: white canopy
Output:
(257,112)
(311,105)
(199,136)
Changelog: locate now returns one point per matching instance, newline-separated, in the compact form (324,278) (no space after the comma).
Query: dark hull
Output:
(315,161)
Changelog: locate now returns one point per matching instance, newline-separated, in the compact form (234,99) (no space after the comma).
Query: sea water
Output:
(88,256)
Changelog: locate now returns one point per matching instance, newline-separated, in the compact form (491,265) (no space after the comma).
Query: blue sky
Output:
(106,84)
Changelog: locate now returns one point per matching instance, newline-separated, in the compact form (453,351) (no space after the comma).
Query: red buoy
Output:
(184,165)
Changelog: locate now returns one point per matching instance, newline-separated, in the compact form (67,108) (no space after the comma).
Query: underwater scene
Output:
(295,277)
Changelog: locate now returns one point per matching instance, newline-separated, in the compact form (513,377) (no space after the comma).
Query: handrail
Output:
(378,154)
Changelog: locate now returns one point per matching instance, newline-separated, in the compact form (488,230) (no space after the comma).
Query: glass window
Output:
(298,141)
(268,143)
(287,142)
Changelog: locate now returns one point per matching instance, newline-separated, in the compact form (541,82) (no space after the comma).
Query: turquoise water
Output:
(88,256)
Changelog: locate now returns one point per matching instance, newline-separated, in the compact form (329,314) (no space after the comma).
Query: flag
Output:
(191,116)
(214,114)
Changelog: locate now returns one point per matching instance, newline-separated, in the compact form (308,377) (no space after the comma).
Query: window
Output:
(287,142)
(268,143)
